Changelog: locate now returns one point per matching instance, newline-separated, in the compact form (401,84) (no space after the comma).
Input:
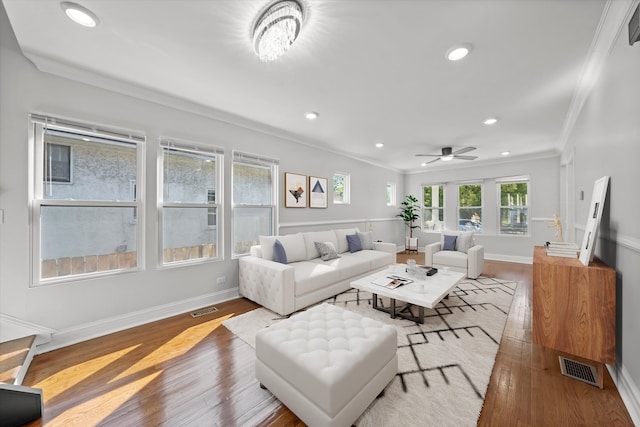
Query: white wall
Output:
(544,201)
(606,141)
(87,305)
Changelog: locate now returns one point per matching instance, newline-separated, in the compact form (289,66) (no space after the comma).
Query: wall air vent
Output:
(578,371)
(203,311)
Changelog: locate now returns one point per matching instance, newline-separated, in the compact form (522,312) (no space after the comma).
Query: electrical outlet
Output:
(221,280)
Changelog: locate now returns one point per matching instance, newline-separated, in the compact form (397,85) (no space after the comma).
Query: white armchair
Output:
(458,254)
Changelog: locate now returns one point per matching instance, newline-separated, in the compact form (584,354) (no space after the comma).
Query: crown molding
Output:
(613,21)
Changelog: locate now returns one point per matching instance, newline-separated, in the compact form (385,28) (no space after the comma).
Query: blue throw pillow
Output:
(354,243)
(279,255)
(449,243)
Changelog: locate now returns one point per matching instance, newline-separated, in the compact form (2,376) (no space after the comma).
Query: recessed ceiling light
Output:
(311,115)
(379,145)
(423,164)
(491,121)
(458,52)
(505,153)
(79,14)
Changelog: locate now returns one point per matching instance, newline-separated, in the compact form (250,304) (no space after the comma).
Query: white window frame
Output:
(391,194)
(346,196)
(201,150)
(257,161)
(442,208)
(212,212)
(38,125)
(133,191)
(513,180)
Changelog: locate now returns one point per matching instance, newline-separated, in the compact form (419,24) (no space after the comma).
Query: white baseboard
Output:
(628,391)
(66,337)
(509,258)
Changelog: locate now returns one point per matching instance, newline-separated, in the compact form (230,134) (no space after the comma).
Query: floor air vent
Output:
(579,371)
(204,311)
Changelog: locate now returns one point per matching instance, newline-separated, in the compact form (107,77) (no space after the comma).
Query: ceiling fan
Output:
(448,154)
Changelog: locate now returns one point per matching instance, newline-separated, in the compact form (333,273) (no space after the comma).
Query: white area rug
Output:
(444,366)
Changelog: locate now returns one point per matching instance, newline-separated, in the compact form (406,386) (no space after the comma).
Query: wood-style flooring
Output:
(183,371)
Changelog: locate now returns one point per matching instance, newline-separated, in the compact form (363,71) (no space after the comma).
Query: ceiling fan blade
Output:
(430,155)
(465,157)
(464,150)
(434,160)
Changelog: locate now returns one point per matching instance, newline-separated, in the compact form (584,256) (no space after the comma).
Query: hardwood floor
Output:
(182,371)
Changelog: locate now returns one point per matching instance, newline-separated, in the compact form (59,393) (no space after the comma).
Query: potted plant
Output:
(409,214)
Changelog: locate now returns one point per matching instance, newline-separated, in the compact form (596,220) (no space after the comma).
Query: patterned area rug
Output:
(444,365)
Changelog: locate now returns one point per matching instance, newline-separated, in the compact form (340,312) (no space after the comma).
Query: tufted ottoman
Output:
(326,364)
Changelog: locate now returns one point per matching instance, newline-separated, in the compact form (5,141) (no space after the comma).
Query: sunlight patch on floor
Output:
(175,347)
(104,404)
(67,378)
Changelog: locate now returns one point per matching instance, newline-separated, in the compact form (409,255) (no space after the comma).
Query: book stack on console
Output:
(562,249)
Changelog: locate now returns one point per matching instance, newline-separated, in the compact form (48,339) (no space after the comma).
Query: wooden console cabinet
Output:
(574,307)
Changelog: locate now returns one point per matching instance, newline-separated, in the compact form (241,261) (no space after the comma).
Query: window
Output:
(83,226)
(57,162)
(255,184)
(514,207)
(341,191)
(212,215)
(433,208)
(470,207)
(391,194)
(191,177)
(133,194)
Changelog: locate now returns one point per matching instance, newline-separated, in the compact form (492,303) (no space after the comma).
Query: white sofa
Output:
(306,279)
(465,257)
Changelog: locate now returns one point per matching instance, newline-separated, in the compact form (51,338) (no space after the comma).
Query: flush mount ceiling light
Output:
(505,153)
(458,52)
(311,115)
(276,29)
(379,145)
(79,14)
(490,121)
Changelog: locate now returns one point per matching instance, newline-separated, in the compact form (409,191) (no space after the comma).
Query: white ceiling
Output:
(375,70)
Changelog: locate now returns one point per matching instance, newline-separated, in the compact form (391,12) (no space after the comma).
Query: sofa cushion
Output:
(266,246)
(279,254)
(327,251)
(294,247)
(364,262)
(312,275)
(465,241)
(366,239)
(450,258)
(447,233)
(449,243)
(347,265)
(341,237)
(310,237)
(354,243)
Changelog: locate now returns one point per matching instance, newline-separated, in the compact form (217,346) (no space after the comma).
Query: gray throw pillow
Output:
(449,243)
(366,239)
(279,254)
(354,243)
(327,250)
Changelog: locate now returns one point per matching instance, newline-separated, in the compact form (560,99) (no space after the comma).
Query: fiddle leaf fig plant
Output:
(409,213)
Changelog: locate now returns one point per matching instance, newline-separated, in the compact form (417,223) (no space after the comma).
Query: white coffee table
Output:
(424,292)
